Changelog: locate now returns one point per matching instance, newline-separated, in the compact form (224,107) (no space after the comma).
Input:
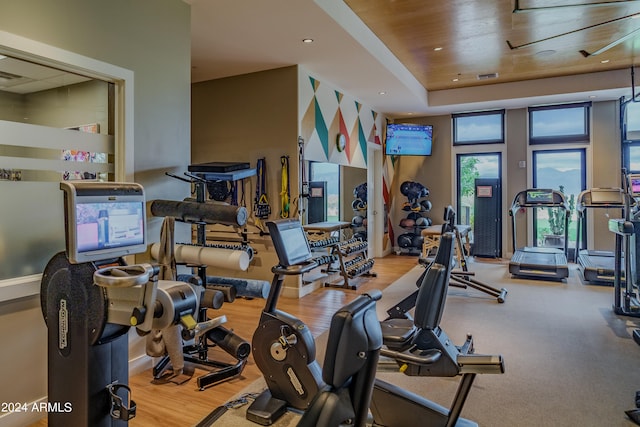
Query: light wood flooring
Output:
(185,405)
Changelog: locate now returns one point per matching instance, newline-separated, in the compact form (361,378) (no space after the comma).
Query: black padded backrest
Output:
(449,219)
(354,332)
(433,290)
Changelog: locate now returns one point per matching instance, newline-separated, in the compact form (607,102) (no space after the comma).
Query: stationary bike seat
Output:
(397,333)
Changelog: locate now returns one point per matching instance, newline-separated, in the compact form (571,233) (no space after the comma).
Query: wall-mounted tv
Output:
(405,139)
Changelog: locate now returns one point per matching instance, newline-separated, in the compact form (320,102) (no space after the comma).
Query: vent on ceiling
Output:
(8,76)
(487,76)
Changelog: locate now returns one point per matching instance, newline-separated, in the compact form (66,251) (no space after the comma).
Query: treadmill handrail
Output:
(582,206)
(519,202)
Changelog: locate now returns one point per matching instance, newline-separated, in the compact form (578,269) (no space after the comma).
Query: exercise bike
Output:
(459,278)
(283,346)
(424,349)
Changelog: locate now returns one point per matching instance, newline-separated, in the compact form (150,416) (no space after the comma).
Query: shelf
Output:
(226,176)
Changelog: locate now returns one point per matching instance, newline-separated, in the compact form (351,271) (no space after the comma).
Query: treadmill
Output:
(539,262)
(597,266)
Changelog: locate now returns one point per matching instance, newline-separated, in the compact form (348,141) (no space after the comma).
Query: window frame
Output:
(123,80)
(584,138)
(456,116)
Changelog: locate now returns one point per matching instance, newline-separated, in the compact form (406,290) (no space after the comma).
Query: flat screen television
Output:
(405,139)
(103,220)
(290,241)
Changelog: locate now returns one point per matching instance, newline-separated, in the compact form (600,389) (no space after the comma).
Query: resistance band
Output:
(261,207)
(285,192)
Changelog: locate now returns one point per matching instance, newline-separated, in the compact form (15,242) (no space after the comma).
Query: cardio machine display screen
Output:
(539,196)
(290,241)
(108,225)
(635,185)
(103,220)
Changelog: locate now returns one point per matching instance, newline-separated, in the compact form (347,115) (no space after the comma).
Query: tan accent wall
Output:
(241,119)
(606,166)
(434,172)
(514,178)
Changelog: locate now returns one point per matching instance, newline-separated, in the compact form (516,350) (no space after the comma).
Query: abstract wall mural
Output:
(325,113)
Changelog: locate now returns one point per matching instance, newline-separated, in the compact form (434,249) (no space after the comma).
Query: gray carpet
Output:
(570,361)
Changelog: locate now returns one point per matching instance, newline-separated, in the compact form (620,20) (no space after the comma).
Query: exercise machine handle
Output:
(427,357)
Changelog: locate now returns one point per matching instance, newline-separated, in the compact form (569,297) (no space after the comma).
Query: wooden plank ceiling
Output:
(449,44)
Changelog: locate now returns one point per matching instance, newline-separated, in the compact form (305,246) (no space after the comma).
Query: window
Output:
(630,126)
(33,151)
(50,132)
(485,127)
(565,171)
(554,124)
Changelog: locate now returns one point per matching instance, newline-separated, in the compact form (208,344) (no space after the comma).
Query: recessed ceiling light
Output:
(592,97)
(455,80)
(307,40)
(382,92)
(545,53)
(437,49)
(604,61)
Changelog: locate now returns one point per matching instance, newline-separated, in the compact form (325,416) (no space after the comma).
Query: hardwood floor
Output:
(184,405)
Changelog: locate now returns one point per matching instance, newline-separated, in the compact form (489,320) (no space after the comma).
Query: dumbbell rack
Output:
(353,262)
(321,245)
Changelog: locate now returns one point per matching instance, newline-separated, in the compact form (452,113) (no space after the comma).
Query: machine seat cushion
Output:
(397,333)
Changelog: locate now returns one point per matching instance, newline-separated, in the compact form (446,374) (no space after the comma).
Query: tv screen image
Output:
(103,220)
(109,225)
(409,140)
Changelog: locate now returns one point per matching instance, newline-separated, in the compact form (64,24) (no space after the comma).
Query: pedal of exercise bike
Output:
(266,409)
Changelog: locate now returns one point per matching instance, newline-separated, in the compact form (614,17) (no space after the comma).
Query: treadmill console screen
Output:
(634,182)
(539,196)
(607,196)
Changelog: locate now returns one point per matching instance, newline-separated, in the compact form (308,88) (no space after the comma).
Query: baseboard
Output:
(30,414)
(140,364)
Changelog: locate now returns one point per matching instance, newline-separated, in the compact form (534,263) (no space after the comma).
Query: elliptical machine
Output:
(283,346)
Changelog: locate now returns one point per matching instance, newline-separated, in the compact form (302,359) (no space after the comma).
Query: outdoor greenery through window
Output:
(470,167)
(486,127)
(564,171)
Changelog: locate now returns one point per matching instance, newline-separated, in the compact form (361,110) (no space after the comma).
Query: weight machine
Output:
(90,298)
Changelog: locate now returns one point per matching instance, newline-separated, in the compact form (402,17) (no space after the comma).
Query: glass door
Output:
(468,168)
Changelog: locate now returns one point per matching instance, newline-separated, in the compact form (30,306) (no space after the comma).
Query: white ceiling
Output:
(238,37)
(22,77)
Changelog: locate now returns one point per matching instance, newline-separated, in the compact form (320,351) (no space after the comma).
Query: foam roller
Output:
(230,342)
(193,212)
(247,288)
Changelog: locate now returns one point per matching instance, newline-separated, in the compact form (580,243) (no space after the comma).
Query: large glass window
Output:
(486,127)
(630,125)
(562,170)
(554,124)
